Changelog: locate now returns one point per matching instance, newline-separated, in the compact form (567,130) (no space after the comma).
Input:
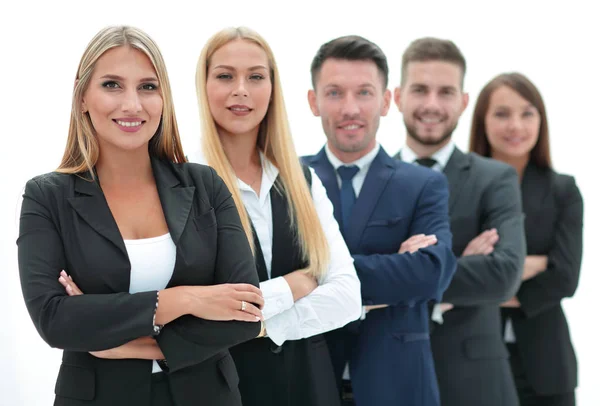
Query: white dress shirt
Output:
(442,156)
(337,299)
(363,164)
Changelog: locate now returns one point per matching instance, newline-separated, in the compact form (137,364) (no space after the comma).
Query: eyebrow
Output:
(257,67)
(335,85)
(117,77)
(527,107)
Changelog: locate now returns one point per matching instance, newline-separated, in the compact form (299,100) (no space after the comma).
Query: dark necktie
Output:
(347,196)
(427,162)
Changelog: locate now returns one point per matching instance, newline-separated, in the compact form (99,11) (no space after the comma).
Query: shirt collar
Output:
(442,155)
(362,163)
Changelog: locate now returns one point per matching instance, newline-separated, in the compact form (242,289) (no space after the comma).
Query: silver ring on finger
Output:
(243,306)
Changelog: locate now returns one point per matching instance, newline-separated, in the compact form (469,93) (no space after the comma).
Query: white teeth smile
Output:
(129,123)
(351,127)
(239,109)
(430,120)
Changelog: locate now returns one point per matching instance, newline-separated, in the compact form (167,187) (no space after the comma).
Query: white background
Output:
(42,42)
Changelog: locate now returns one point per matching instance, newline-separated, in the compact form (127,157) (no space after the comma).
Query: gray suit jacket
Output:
(470,356)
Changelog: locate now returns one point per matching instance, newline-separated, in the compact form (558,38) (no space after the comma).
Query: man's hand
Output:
(513,303)
(483,244)
(416,242)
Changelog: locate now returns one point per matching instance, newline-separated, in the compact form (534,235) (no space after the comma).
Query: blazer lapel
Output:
(535,188)
(324,170)
(176,201)
(381,170)
(90,204)
(456,171)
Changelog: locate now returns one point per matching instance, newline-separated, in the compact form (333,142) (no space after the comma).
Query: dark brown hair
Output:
(478,142)
(433,49)
(350,48)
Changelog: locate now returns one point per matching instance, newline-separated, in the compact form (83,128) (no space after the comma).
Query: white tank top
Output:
(152,264)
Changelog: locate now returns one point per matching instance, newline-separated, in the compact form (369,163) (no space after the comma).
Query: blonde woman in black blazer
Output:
(510,124)
(153,327)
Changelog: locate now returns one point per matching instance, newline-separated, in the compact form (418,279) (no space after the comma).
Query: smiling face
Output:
(123,100)
(512,124)
(350,98)
(431,101)
(238,87)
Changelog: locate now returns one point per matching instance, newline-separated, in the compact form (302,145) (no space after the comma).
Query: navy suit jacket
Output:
(390,357)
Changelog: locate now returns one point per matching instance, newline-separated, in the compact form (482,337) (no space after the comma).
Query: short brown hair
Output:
(350,48)
(433,49)
(478,141)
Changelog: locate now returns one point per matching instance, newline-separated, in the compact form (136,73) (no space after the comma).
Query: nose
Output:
(350,107)
(515,123)
(432,101)
(131,102)
(240,89)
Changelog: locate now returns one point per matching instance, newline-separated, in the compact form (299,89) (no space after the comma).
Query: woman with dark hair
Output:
(510,125)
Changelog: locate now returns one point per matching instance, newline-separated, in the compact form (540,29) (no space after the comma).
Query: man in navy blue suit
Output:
(394,218)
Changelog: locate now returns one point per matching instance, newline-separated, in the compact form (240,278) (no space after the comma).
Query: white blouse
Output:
(335,302)
(152,264)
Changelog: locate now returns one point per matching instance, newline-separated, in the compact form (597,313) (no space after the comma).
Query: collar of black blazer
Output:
(176,201)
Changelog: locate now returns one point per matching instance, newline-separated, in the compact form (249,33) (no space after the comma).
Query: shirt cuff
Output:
(278,297)
(437,314)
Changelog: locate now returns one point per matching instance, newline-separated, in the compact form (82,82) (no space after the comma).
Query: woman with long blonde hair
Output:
(155,243)
(307,276)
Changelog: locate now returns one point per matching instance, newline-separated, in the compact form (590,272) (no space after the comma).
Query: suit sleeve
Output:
(190,340)
(494,278)
(88,322)
(561,278)
(419,277)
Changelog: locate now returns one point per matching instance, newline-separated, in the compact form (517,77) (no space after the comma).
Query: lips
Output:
(239,108)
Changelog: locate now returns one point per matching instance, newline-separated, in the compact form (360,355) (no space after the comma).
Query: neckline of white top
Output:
(150,240)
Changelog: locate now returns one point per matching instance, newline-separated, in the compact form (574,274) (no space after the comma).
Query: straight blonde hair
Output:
(82,150)
(275,142)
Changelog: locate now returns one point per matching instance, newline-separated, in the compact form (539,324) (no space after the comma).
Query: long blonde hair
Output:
(275,142)
(82,151)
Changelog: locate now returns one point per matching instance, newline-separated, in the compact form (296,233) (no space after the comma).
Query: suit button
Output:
(276,349)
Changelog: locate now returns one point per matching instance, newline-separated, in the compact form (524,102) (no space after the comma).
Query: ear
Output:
(387,101)
(312,102)
(465,101)
(398,98)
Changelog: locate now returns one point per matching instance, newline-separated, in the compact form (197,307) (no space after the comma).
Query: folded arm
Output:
(333,303)
(561,277)
(420,276)
(494,278)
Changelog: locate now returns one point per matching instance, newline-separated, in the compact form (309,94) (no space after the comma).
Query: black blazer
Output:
(554,226)
(471,360)
(67,224)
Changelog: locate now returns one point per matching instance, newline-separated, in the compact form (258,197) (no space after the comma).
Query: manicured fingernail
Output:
(61,279)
